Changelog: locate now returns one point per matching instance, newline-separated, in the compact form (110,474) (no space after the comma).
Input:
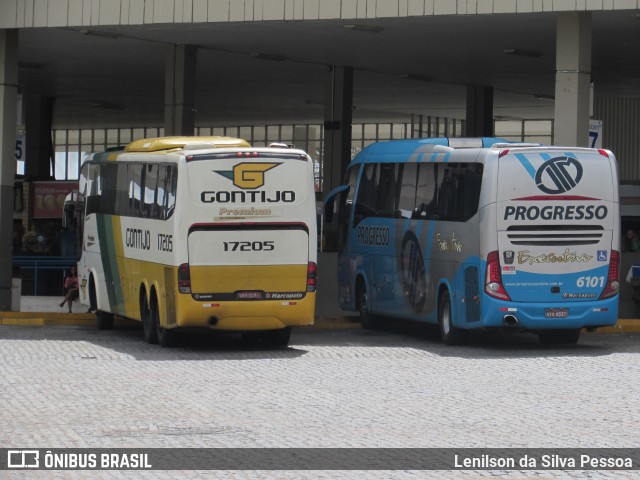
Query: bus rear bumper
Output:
(542,316)
(247,315)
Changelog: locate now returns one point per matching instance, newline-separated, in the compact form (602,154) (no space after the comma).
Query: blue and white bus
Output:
(479,233)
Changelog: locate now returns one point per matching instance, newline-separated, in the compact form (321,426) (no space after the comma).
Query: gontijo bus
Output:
(200,232)
(479,233)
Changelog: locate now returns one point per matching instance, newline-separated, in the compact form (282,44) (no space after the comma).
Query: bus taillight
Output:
(613,278)
(312,273)
(184,278)
(493,278)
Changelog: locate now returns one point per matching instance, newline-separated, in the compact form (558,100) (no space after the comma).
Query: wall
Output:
(620,127)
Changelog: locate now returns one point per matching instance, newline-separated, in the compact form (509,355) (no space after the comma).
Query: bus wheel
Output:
(451,335)
(104,320)
(254,339)
(557,337)
(279,338)
(150,331)
(165,336)
(368,319)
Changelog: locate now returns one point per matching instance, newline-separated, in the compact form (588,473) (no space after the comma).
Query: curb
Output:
(324,322)
(89,319)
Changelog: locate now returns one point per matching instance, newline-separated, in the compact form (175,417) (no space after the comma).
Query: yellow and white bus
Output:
(209,232)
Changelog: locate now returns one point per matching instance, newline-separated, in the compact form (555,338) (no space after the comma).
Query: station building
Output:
(331,76)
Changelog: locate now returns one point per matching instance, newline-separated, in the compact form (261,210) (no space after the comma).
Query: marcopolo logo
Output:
(248,175)
(558,175)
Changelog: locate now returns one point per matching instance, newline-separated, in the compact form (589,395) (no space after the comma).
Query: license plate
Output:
(250,295)
(556,312)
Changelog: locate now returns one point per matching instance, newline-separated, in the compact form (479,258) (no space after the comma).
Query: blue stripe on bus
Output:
(526,164)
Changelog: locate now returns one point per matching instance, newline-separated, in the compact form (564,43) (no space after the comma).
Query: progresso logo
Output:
(558,175)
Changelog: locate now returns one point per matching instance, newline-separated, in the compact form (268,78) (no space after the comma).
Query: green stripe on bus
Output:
(110,263)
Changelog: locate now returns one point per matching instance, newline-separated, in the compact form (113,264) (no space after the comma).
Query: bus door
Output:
(338,210)
(557,212)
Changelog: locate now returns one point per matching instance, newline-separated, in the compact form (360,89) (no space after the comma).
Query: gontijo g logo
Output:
(558,175)
(248,175)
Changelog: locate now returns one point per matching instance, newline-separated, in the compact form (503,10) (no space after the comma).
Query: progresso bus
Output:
(479,233)
(207,232)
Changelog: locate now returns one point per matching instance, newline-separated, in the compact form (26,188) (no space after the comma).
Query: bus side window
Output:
(386,192)
(93,189)
(367,192)
(407,194)
(446,196)
(425,192)
(471,190)
(122,194)
(150,186)
(135,190)
(161,194)
(171,184)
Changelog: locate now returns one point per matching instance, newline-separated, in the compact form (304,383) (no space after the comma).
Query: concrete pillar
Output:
(479,119)
(337,126)
(573,79)
(8,118)
(180,90)
(39,144)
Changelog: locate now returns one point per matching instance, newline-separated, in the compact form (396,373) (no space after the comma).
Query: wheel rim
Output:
(155,319)
(446,319)
(364,312)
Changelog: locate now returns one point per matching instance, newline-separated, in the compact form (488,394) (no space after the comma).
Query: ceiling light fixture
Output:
(95,33)
(523,53)
(107,105)
(422,78)
(31,65)
(268,56)
(363,28)
(544,96)
(506,118)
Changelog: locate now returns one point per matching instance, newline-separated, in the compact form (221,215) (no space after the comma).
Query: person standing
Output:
(70,287)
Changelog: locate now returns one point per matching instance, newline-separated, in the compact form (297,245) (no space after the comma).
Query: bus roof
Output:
(408,147)
(161,144)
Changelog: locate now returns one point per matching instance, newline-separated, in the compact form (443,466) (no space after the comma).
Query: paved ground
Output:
(76,387)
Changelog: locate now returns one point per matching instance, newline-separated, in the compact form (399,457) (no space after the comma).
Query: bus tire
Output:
(93,302)
(148,327)
(104,320)
(280,337)
(368,319)
(166,337)
(559,337)
(451,335)
(254,339)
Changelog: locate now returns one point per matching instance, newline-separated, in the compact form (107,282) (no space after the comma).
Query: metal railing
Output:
(39,265)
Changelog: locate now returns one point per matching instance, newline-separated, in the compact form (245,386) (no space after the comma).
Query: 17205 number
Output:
(264,246)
